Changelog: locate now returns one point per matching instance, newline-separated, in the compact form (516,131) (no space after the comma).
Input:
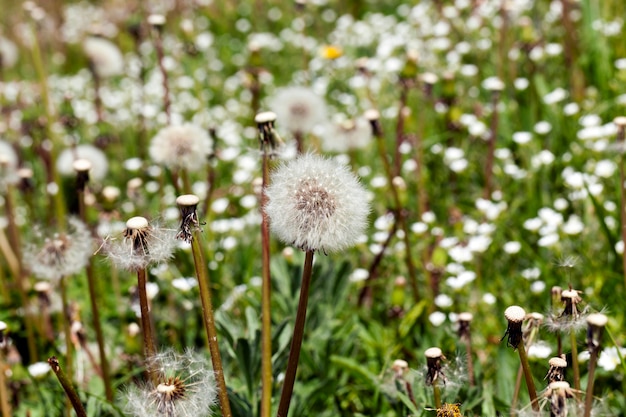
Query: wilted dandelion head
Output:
(298,109)
(186,146)
(140,244)
(434,371)
(60,254)
(316,204)
(185,387)
(595,328)
(97,158)
(557,393)
(556,372)
(104,56)
(515,316)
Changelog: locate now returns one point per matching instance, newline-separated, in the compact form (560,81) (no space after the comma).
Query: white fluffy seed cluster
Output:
(186,387)
(298,109)
(8,164)
(347,135)
(185,146)
(97,158)
(104,55)
(317,204)
(61,255)
(140,246)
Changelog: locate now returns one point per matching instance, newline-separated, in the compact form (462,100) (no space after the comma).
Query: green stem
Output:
(95,312)
(146,323)
(69,347)
(68,387)
(4,396)
(437,395)
(593,360)
(266,322)
(575,366)
(530,384)
(209,322)
(298,334)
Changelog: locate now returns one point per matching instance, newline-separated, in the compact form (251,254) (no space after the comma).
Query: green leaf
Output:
(408,321)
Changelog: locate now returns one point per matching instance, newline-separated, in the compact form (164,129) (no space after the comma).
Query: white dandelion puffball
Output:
(99,162)
(298,109)
(104,55)
(8,53)
(347,135)
(185,146)
(317,204)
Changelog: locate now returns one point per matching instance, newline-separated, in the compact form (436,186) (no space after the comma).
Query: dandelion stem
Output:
(146,324)
(622,177)
(4,396)
(491,147)
(593,360)
(91,282)
(69,347)
(266,322)
(575,366)
(298,334)
(518,386)
(209,322)
(530,384)
(437,395)
(158,46)
(68,387)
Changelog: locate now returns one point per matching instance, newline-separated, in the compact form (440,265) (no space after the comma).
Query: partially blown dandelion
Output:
(316,204)
(184,387)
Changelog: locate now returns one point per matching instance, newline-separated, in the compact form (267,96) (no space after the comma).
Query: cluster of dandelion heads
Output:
(104,56)
(184,387)
(317,204)
(60,254)
(186,146)
(97,158)
(140,244)
(298,109)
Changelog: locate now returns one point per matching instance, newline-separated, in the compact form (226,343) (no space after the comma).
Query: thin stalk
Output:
(575,366)
(95,312)
(69,347)
(593,360)
(266,322)
(399,212)
(59,203)
(530,384)
(622,177)
(66,383)
(146,323)
(184,175)
(5,406)
(491,147)
(437,395)
(209,322)
(158,45)
(298,334)
(470,361)
(518,386)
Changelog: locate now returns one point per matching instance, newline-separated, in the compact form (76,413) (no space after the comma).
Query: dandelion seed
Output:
(316,204)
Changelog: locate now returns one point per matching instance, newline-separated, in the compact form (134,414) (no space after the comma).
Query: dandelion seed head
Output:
(61,254)
(186,146)
(317,204)
(140,245)
(185,387)
(347,135)
(104,56)
(298,109)
(97,158)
